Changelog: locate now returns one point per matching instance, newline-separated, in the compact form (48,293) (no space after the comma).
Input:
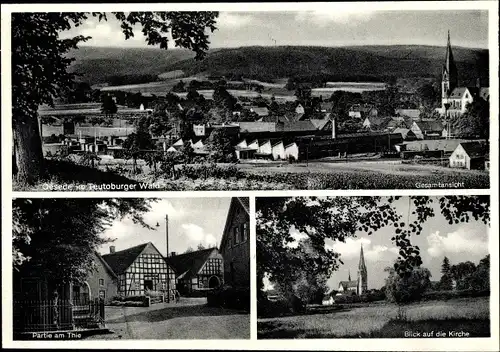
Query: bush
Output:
(445,295)
(230,297)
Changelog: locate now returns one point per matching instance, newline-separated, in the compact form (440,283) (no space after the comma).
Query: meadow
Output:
(273,176)
(383,320)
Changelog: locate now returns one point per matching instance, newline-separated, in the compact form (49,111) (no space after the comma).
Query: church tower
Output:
(362,274)
(449,79)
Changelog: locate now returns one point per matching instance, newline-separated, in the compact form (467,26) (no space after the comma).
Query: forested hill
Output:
(268,63)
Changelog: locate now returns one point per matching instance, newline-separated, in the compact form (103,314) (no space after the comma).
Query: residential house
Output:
(328,300)
(265,148)
(235,244)
(259,111)
(375,123)
(198,271)
(362,111)
(469,155)
(139,269)
(412,113)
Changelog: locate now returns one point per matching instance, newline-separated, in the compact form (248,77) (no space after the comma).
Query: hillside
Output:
(268,63)
(96,64)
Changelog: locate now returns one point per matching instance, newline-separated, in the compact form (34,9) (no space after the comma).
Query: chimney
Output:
(172,254)
(112,249)
(334,127)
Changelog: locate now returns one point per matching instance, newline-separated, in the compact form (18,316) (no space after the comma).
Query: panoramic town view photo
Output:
(344,99)
(373,267)
(131,268)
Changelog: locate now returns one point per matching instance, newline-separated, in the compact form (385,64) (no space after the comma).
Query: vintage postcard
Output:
(249,176)
(256,100)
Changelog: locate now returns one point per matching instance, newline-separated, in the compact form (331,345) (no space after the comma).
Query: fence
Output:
(51,315)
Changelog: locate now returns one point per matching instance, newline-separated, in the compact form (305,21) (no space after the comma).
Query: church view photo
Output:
(373,267)
(131,268)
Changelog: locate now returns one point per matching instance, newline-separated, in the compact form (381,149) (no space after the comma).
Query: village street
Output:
(188,319)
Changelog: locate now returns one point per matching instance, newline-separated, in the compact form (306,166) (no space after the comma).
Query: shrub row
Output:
(445,295)
(230,297)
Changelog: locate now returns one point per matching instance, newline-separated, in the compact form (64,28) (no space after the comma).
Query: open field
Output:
(380,320)
(366,175)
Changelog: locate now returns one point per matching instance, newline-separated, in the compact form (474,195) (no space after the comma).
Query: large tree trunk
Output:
(28,149)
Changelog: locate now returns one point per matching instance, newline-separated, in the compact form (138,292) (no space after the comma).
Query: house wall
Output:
(266,148)
(107,289)
(278,151)
(459,158)
(417,131)
(236,249)
(292,151)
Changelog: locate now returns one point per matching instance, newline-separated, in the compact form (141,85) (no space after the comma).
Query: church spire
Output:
(449,69)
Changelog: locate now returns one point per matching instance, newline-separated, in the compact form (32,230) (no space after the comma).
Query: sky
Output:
(459,242)
(333,27)
(191,221)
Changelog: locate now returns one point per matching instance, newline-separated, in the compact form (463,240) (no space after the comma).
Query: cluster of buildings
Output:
(138,270)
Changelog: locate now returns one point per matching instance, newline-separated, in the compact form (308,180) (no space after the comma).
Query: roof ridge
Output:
(126,249)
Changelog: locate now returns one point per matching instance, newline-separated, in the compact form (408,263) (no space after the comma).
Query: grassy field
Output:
(470,315)
(365,175)
(268,176)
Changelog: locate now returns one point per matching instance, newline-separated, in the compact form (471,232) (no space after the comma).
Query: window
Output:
(101,282)
(102,294)
(236,235)
(244,232)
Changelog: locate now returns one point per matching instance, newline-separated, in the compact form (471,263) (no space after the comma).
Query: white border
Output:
(486,344)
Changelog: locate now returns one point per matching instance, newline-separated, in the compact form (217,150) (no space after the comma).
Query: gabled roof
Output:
(189,264)
(458,92)
(319,124)
(475,149)
(252,127)
(121,260)
(276,143)
(105,264)
(264,141)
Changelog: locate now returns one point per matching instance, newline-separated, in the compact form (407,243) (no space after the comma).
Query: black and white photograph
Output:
(131,268)
(331,99)
(373,267)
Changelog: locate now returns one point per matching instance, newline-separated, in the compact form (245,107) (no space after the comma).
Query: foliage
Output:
(220,144)
(108,105)
(475,122)
(446,283)
(407,288)
(60,235)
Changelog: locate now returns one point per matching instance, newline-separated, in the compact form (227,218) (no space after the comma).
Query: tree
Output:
(446,283)
(339,218)
(189,250)
(200,247)
(40,65)
(108,105)
(221,147)
(408,288)
(55,238)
